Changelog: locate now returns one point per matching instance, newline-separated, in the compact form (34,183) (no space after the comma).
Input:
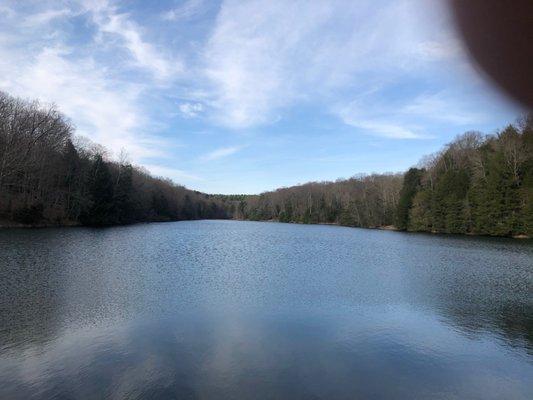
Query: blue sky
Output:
(247,96)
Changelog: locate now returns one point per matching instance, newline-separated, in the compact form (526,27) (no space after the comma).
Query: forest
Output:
(48,176)
(362,201)
(477,184)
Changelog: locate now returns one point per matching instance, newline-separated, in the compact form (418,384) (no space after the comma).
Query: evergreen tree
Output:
(410,186)
(420,214)
(123,207)
(73,181)
(100,191)
(188,210)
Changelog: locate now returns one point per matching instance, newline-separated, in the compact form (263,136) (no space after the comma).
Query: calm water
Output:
(242,310)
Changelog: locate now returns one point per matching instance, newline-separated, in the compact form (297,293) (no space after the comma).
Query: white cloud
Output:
(191,110)
(374,64)
(145,54)
(444,49)
(6,11)
(404,118)
(377,118)
(102,111)
(187,10)
(264,57)
(177,175)
(36,63)
(46,17)
(443,107)
(379,126)
(220,153)
(389,130)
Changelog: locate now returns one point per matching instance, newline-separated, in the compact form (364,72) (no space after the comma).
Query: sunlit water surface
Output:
(245,310)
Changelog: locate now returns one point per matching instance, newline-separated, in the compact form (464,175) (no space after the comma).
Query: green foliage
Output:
(420,217)
(410,186)
(364,201)
(475,186)
(449,201)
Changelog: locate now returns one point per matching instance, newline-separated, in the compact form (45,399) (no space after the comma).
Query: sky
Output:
(248,96)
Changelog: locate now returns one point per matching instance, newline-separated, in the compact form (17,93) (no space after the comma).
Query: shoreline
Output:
(17,225)
(392,228)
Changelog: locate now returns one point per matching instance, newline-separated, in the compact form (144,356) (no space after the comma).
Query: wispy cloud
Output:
(376,119)
(221,153)
(191,110)
(265,57)
(46,17)
(388,130)
(188,9)
(408,118)
(135,76)
(379,126)
(108,114)
(110,22)
(6,11)
(37,63)
(177,175)
(443,107)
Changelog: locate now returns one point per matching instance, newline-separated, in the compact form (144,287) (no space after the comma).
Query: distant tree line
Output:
(48,176)
(477,184)
(363,201)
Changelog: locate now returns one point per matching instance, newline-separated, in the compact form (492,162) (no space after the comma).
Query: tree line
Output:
(49,176)
(363,201)
(478,184)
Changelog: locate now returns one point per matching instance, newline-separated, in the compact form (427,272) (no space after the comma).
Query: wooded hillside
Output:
(48,176)
(478,184)
(364,201)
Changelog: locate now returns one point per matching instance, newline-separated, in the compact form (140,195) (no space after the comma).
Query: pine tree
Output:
(420,213)
(100,191)
(123,206)
(72,181)
(410,187)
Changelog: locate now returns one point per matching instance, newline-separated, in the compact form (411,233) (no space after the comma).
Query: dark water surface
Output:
(244,310)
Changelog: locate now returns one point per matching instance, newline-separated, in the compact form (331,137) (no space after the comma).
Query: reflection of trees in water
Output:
(498,305)
(513,323)
(517,324)
(28,290)
(57,279)
(477,285)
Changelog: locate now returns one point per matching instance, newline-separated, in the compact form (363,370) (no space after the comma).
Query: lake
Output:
(251,310)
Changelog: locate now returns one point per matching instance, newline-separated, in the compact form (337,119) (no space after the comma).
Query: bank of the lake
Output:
(390,228)
(18,225)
